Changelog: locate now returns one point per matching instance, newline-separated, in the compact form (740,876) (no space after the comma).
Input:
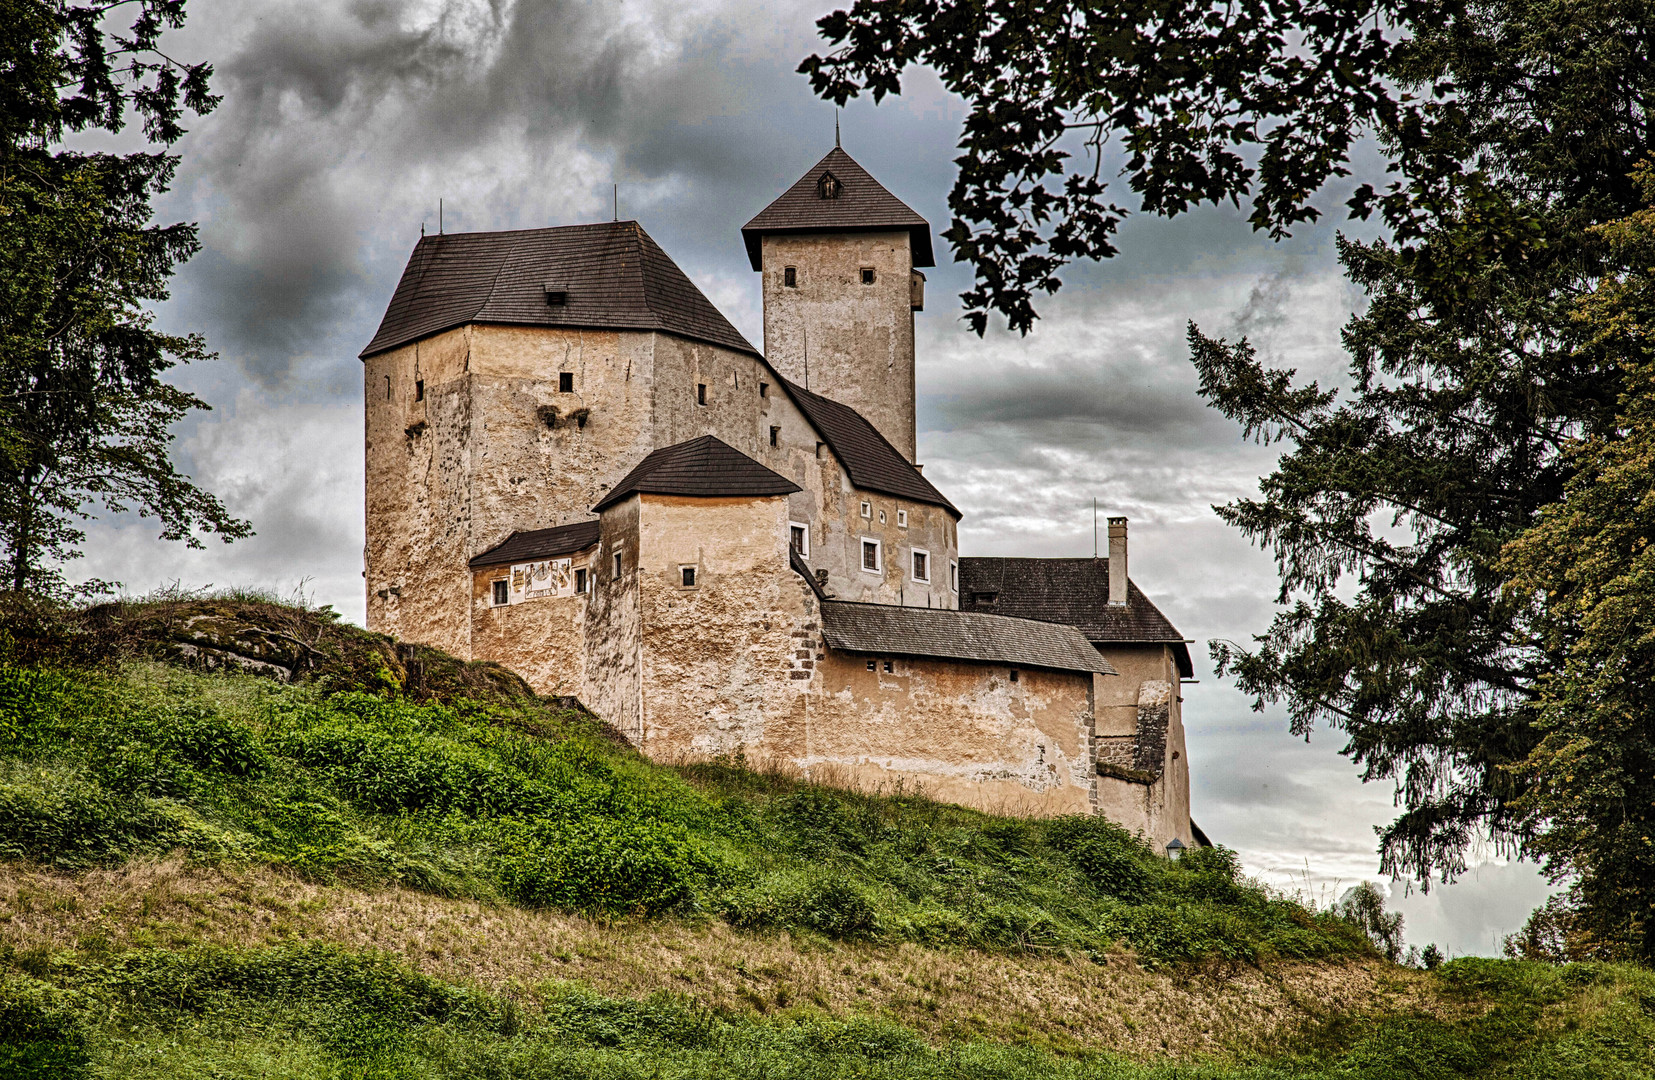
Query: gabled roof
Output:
(868,457)
(863,205)
(539,544)
(616,276)
(705,467)
(1070,591)
(945,634)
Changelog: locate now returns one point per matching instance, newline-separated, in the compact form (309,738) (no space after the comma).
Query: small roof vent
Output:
(828,187)
(557,294)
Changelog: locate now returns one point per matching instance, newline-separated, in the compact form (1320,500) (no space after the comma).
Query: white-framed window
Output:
(798,538)
(873,558)
(502,593)
(919,563)
(580,580)
(867,510)
(686,577)
(902,519)
(953,576)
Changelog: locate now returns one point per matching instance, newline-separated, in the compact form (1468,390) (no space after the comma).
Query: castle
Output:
(577,467)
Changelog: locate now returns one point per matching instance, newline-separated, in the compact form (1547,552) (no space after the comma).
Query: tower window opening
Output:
(790,277)
(580,579)
(1013,674)
(617,564)
(775,436)
(867,275)
(419,389)
(829,187)
(922,566)
(565,382)
(870,556)
(867,510)
(818,449)
(701,393)
(764,389)
(902,519)
(889,668)
(873,665)
(687,576)
(387,388)
(799,538)
(502,596)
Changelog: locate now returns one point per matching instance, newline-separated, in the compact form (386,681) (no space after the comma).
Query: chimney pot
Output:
(1117,561)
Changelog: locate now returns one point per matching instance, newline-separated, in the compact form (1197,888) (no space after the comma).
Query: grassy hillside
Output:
(389,863)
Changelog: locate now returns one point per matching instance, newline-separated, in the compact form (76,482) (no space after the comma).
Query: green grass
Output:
(514,801)
(319,1012)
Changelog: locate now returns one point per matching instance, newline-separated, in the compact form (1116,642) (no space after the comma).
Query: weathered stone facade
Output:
(690,611)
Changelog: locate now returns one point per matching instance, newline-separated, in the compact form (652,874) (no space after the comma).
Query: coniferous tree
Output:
(85,416)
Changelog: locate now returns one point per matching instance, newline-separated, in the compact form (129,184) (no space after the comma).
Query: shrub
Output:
(826,902)
(605,866)
(1112,859)
(39,1038)
(53,817)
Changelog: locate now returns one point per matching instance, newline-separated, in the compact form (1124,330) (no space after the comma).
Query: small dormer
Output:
(828,186)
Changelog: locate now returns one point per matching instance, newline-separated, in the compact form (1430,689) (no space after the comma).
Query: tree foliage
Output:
(84,414)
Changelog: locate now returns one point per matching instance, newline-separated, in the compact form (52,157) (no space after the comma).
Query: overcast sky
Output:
(344,123)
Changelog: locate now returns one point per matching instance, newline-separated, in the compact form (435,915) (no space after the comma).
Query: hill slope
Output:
(245,839)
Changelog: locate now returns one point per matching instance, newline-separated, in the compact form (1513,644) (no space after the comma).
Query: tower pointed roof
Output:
(837,195)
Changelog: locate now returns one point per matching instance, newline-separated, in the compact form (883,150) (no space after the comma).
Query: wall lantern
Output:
(1175,849)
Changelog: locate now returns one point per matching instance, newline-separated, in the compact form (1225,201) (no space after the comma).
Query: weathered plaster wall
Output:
(614,668)
(542,640)
(721,658)
(418,458)
(856,340)
(1141,734)
(963,732)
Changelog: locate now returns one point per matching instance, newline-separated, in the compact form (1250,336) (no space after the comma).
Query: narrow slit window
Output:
(819,449)
(617,564)
(701,393)
(775,436)
(580,580)
(764,389)
(419,390)
(953,576)
(502,594)
(565,382)
(387,388)
(1013,674)
(790,277)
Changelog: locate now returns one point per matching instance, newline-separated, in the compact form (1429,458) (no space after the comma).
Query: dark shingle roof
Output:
(539,544)
(617,279)
(1070,591)
(957,635)
(863,205)
(872,462)
(706,467)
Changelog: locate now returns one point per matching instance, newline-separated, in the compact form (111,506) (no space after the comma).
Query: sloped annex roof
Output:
(868,457)
(616,277)
(539,544)
(706,467)
(1070,591)
(945,634)
(863,205)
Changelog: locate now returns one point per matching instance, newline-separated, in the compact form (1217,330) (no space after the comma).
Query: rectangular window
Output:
(867,510)
(873,665)
(922,566)
(701,393)
(419,390)
(902,519)
(686,576)
(565,382)
(867,275)
(617,564)
(502,594)
(764,389)
(888,667)
(790,277)
(818,449)
(775,436)
(1013,674)
(953,576)
(580,580)
(870,556)
(799,537)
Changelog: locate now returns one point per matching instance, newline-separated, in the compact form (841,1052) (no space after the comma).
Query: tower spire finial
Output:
(836,129)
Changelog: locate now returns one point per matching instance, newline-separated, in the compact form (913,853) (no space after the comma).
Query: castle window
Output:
(953,576)
(686,576)
(565,382)
(1013,674)
(764,389)
(701,393)
(580,580)
(419,390)
(882,517)
(867,510)
(873,665)
(502,595)
(556,295)
(387,388)
(889,667)
(902,519)
(871,561)
(867,275)
(819,449)
(922,566)
(790,277)
(617,564)
(798,534)
(775,436)
(828,187)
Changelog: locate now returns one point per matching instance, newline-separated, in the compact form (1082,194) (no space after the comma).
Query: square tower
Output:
(839,255)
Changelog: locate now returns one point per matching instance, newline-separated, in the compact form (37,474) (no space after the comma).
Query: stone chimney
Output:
(1117,561)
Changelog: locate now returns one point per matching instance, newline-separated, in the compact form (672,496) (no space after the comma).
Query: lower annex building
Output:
(578,468)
